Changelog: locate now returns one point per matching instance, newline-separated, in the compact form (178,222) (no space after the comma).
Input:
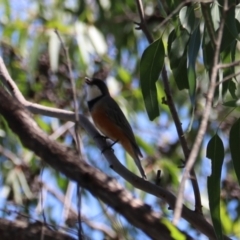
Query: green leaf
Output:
(231,26)
(227,38)
(124,75)
(234,143)
(208,50)
(150,67)
(232,88)
(228,56)
(54,46)
(175,233)
(215,14)
(147,148)
(230,32)
(161,9)
(7,9)
(193,49)
(232,103)
(187,18)
(177,51)
(215,152)
(180,73)
(33,55)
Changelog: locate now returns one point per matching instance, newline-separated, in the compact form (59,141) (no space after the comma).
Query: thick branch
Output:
(93,180)
(67,162)
(24,230)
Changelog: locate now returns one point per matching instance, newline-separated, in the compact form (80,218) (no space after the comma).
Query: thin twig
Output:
(30,219)
(80,234)
(228,65)
(75,102)
(182,139)
(142,24)
(227,78)
(42,207)
(11,156)
(68,200)
(203,126)
(176,10)
(73,213)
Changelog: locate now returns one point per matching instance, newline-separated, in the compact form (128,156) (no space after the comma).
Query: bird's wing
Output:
(115,113)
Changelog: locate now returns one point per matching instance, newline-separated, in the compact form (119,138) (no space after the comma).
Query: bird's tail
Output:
(134,151)
(138,163)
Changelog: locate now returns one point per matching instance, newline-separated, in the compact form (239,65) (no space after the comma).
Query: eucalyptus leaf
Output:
(215,152)
(193,49)
(150,67)
(177,51)
(234,143)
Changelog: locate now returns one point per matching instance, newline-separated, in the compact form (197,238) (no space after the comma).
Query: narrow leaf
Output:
(177,51)
(193,49)
(232,103)
(232,89)
(187,18)
(215,152)
(175,233)
(215,13)
(227,56)
(230,31)
(234,143)
(33,55)
(208,50)
(53,50)
(150,67)
(230,21)
(180,73)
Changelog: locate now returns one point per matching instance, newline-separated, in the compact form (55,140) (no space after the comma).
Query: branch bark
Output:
(67,162)
(17,229)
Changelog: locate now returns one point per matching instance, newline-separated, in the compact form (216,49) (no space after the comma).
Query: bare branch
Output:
(228,65)
(227,78)
(142,24)
(25,230)
(77,137)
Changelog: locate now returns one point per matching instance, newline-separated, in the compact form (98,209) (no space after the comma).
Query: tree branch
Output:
(67,162)
(24,230)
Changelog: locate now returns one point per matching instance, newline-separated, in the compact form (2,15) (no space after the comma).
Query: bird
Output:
(110,120)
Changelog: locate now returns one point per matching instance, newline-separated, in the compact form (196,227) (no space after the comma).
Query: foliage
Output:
(102,40)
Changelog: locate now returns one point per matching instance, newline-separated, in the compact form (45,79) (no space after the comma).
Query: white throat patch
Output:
(93,92)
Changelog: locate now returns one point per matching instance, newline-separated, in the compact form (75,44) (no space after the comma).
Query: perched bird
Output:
(110,120)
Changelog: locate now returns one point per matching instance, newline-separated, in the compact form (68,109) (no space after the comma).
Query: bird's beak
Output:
(88,80)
